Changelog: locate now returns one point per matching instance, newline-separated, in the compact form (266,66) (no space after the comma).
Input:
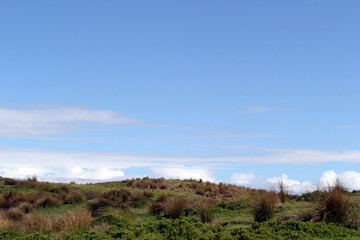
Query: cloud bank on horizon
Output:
(93,166)
(105,166)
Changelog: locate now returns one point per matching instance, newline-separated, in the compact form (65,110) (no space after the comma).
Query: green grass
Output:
(55,211)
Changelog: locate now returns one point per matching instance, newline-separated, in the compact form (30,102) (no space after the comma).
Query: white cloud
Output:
(100,173)
(351,179)
(293,186)
(182,172)
(328,178)
(66,173)
(242,178)
(107,165)
(48,120)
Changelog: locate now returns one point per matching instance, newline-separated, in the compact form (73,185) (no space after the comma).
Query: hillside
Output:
(171,209)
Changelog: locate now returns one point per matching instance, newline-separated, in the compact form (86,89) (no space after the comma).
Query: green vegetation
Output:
(172,209)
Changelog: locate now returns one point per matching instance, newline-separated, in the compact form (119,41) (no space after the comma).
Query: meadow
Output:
(173,209)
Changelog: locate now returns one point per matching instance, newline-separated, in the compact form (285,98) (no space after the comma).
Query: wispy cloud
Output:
(47,120)
(295,156)
(249,109)
(215,135)
(346,126)
(256,109)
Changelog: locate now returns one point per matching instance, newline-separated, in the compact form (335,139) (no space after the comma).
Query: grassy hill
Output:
(172,209)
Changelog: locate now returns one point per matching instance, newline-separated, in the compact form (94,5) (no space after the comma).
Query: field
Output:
(172,209)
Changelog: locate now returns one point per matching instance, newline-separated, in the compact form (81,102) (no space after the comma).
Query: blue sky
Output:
(233,91)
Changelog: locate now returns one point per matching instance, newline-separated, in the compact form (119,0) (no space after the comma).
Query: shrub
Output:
(112,219)
(353,221)
(264,205)
(9,181)
(311,196)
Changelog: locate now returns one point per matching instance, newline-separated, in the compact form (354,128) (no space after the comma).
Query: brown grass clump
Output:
(335,205)
(264,205)
(14,214)
(205,210)
(71,220)
(138,196)
(76,219)
(157,207)
(25,207)
(48,201)
(175,207)
(74,197)
(4,203)
(35,223)
(12,199)
(6,224)
(283,191)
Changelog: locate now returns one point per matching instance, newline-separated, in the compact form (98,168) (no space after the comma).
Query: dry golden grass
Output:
(36,223)
(76,219)
(6,224)
(15,219)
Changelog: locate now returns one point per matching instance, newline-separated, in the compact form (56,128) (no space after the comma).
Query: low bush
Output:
(10,181)
(311,196)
